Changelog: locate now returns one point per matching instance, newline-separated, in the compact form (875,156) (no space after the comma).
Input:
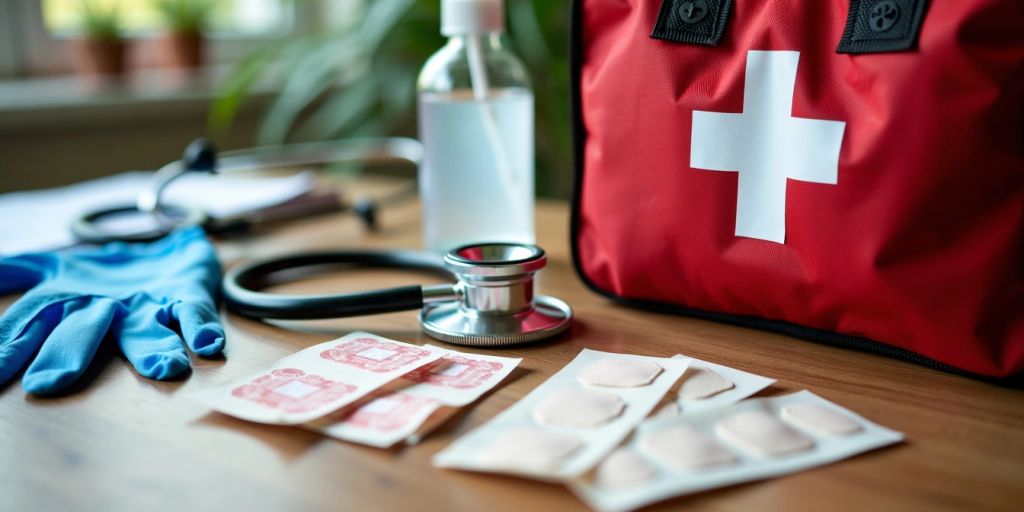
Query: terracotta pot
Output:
(181,50)
(100,58)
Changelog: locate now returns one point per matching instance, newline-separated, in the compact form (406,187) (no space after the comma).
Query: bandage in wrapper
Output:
(403,408)
(319,380)
(721,461)
(483,449)
(733,386)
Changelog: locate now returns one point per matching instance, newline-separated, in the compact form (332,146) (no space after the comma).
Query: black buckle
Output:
(692,21)
(875,26)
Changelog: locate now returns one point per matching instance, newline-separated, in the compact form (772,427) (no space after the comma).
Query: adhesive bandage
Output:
(734,444)
(403,407)
(318,380)
(535,416)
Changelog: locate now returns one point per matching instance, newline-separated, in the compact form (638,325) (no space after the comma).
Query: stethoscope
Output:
(200,157)
(492,302)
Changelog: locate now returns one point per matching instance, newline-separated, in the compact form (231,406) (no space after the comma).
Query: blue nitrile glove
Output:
(146,296)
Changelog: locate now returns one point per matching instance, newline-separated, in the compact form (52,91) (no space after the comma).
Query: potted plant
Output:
(183,44)
(101,49)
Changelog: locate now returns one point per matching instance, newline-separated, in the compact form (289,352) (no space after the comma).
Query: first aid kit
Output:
(845,171)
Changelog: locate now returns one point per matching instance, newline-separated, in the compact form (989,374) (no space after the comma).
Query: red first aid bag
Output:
(844,171)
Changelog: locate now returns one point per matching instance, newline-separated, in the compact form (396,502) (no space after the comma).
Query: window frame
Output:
(11,53)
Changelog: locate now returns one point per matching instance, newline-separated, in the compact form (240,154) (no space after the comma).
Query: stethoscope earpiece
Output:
(200,156)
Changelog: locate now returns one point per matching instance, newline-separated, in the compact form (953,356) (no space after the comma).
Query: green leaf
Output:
(343,58)
(331,64)
(380,20)
(341,110)
(232,91)
(99,22)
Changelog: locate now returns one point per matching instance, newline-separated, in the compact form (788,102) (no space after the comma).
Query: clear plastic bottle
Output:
(476,124)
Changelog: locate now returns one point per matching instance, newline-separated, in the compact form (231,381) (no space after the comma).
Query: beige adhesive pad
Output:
(685,448)
(763,434)
(820,419)
(529,448)
(620,373)
(700,383)
(578,408)
(623,468)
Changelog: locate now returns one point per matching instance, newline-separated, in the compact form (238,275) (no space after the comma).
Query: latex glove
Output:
(146,297)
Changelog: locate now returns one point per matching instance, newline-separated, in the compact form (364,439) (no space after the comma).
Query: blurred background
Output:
(90,88)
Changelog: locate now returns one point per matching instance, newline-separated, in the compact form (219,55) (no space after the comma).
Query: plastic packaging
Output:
(515,442)
(318,380)
(701,458)
(400,410)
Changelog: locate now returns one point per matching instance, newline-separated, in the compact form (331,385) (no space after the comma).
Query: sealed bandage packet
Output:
(750,440)
(399,410)
(707,385)
(318,380)
(571,421)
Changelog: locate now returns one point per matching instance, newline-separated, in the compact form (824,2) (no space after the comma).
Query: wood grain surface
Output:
(126,443)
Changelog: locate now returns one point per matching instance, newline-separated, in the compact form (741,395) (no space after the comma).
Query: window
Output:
(36,35)
(228,18)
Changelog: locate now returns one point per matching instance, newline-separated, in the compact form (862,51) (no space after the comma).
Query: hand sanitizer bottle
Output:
(476,125)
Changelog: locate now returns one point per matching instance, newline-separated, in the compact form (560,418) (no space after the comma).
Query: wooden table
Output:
(127,443)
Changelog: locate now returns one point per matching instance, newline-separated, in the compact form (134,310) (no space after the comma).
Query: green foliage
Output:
(360,80)
(99,22)
(185,16)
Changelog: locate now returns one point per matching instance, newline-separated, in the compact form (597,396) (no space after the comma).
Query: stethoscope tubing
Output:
(241,286)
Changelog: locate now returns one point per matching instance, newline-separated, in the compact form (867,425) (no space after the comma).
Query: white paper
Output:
(597,441)
(667,483)
(318,380)
(744,385)
(39,220)
(397,412)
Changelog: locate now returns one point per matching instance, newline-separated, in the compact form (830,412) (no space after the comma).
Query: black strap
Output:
(692,21)
(876,26)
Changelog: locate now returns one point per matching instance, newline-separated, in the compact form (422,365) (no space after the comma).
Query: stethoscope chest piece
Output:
(496,303)
(447,322)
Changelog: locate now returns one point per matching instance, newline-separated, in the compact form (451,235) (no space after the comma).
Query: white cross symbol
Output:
(766,145)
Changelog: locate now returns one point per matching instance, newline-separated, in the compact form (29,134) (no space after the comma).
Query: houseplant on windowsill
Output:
(100,51)
(182,46)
